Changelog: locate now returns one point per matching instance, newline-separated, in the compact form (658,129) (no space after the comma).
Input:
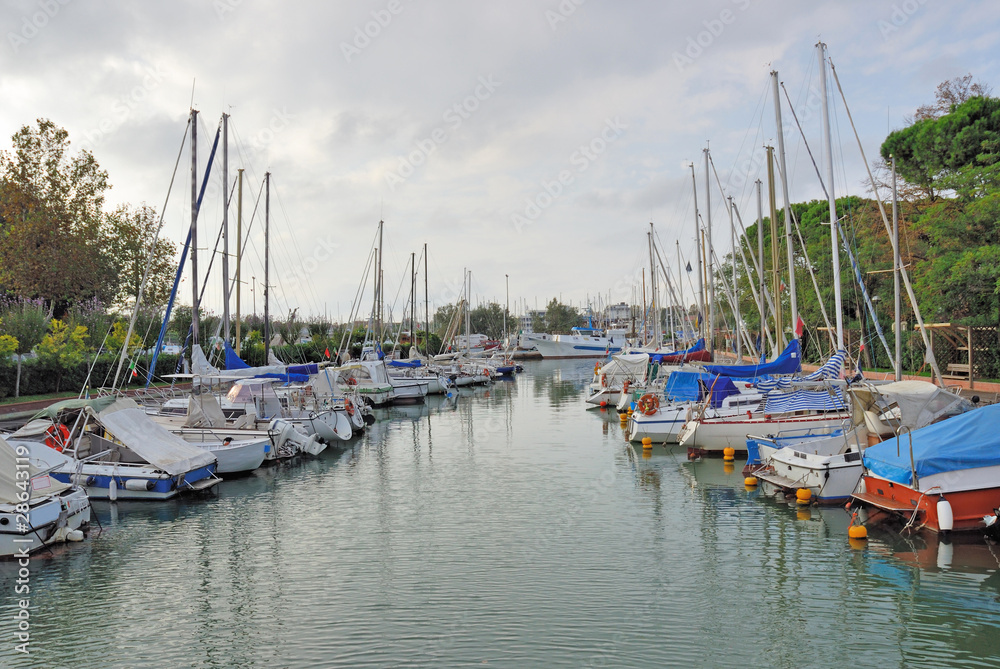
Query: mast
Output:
(645,318)
(225,227)
(760,258)
(468,314)
(194,229)
(427,310)
(697,240)
(828,148)
(413,301)
(897,297)
(239,251)
(378,287)
(775,263)
(506,309)
(710,276)
(652,289)
(267,266)
(736,295)
(793,296)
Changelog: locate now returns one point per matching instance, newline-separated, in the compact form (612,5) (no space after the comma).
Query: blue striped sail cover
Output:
(830,370)
(806,400)
(967,441)
(789,362)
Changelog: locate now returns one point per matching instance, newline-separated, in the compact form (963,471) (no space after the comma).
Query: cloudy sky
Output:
(530,138)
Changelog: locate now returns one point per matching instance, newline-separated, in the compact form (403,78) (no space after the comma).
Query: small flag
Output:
(134,373)
(327,353)
(799,327)
(781,287)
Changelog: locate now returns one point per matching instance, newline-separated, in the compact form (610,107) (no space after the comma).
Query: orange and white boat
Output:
(944,477)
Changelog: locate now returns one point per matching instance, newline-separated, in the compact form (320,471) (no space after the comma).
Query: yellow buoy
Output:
(750,481)
(728,467)
(647,443)
(728,453)
(803,495)
(803,514)
(858,532)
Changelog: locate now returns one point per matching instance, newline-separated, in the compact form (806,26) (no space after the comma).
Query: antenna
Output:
(193,80)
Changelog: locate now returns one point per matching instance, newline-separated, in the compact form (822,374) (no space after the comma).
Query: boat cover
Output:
(52,411)
(151,441)
(830,370)
(806,400)
(201,367)
(685,387)
(9,489)
(204,411)
(311,368)
(625,366)
(404,363)
(968,441)
(677,356)
(789,362)
(920,403)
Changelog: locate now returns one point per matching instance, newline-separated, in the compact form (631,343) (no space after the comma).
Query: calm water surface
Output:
(509,527)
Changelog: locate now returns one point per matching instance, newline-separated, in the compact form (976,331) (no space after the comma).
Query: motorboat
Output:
(117,452)
(943,477)
(36,510)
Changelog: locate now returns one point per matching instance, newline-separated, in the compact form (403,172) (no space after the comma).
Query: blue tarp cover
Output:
(233,361)
(789,362)
(404,363)
(698,346)
(966,441)
(311,368)
(683,387)
(286,378)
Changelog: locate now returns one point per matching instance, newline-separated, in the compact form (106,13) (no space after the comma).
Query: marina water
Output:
(507,527)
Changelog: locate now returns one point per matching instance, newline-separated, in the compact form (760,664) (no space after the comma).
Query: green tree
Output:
(488,319)
(50,219)
(26,322)
(64,347)
(128,234)
(559,318)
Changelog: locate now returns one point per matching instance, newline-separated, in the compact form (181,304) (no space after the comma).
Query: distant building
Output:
(618,313)
(526,322)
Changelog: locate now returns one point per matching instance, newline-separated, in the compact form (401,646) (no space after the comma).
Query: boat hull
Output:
(713,435)
(968,506)
(48,521)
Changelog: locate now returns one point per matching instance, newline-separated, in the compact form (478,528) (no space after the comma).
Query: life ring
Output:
(349,405)
(648,404)
(351,381)
(604,381)
(486,372)
(628,384)
(57,437)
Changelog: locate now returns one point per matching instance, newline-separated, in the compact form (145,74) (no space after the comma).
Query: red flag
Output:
(799,327)
(327,353)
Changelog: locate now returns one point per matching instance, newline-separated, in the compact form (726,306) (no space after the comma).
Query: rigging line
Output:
(758,112)
(152,251)
(295,245)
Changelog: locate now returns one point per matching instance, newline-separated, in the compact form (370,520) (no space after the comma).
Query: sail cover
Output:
(830,370)
(151,441)
(680,356)
(234,361)
(688,387)
(789,362)
(968,441)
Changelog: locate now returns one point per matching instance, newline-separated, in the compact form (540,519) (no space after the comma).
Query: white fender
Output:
(946,518)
